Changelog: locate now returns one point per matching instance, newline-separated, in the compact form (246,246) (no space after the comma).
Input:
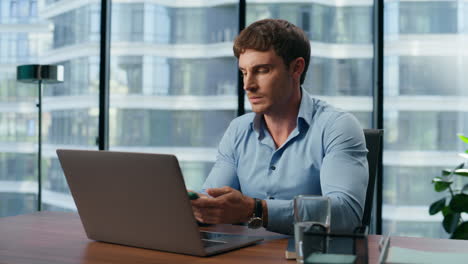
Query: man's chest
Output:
(283,173)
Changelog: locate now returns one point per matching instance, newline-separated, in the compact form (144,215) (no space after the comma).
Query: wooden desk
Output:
(56,237)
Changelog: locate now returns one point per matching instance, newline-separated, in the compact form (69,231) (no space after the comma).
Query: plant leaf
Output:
(466,151)
(461,232)
(459,203)
(450,222)
(446,210)
(463,138)
(461,172)
(441,184)
(437,206)
(446,172)
(465,188)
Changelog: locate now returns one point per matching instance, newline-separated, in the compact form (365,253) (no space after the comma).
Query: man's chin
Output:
(258,110)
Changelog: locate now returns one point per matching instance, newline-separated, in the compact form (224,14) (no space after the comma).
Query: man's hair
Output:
(287,40)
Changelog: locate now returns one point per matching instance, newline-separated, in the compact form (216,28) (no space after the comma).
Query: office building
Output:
(173,84)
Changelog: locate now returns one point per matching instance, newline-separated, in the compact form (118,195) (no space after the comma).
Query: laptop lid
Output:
(135,199)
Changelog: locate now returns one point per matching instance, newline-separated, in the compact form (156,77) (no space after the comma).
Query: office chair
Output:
(373,144)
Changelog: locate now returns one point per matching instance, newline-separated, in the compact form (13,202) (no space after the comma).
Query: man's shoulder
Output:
(326,116)
(242,123)
(325,111)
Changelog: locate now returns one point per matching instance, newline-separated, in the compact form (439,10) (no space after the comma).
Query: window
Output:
(174,87)
(427,17)
(337,74)
(69,109)
(173,95)
(425,94)
(13,8)
(323,23)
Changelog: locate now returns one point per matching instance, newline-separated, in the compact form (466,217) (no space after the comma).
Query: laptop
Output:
(139,200)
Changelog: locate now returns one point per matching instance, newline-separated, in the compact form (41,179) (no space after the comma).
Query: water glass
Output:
(311,214)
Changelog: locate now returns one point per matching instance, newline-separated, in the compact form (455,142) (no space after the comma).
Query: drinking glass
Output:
(311,214)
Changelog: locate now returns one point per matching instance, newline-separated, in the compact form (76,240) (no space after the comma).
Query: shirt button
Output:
(272,167)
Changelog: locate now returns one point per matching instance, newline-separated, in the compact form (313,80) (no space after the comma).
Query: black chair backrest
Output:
(373,144)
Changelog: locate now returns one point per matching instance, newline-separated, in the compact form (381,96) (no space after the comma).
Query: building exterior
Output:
(174,87)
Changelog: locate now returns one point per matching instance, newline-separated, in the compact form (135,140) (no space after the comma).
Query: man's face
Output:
(269,84)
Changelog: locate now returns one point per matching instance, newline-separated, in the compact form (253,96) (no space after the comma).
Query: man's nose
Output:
(249,82)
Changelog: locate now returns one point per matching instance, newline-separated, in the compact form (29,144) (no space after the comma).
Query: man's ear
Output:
(297,67)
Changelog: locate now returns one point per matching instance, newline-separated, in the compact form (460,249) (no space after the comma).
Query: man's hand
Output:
(226,206)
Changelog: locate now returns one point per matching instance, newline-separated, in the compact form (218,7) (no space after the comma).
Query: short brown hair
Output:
(287,40)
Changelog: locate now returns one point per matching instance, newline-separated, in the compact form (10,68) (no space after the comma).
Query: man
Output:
(291,144)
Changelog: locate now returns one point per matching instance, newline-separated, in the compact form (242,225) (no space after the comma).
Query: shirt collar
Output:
(306,110)
(257,125)
(304,117)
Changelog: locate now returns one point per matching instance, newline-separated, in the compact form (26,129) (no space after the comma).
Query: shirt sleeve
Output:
(344,174)
(343,177)
(280,216)
(224,170)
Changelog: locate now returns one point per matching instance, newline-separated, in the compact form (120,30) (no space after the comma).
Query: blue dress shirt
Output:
(324,155)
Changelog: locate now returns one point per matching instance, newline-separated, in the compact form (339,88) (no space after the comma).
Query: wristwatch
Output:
(256,221)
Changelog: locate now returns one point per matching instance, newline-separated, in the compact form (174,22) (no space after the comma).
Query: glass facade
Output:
(425,99)
(170,91)
(18,121)
(165,24)
(336,72)
(167,128)
(429,17)
(165,76)
(322,23)
(44,32)
(425,130)
(339,77)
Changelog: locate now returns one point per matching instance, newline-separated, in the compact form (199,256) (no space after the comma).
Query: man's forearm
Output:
(265,213)
(250,208)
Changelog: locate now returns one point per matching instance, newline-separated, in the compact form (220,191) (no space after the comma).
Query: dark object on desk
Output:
(339,244)
(314,244)
(291,249)
(111,191)
(317,258)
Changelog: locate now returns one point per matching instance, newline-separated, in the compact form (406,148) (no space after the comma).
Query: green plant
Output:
(453,205)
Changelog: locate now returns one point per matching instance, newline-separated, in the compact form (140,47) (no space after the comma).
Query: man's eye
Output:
(263,70)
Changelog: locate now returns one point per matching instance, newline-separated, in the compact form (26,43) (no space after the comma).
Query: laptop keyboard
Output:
(215,236)
(210,243)
(214,239)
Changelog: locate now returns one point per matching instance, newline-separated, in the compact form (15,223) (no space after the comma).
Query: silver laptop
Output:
(140,200)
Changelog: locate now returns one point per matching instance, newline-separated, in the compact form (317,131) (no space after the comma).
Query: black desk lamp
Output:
(40,74)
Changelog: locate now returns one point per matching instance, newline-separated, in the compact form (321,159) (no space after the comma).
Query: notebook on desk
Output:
(140,200)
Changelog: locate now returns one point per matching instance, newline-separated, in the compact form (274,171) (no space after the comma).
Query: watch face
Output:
(255,223)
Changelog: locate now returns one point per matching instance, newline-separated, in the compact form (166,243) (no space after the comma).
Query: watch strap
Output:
(258,208)
(256,221)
